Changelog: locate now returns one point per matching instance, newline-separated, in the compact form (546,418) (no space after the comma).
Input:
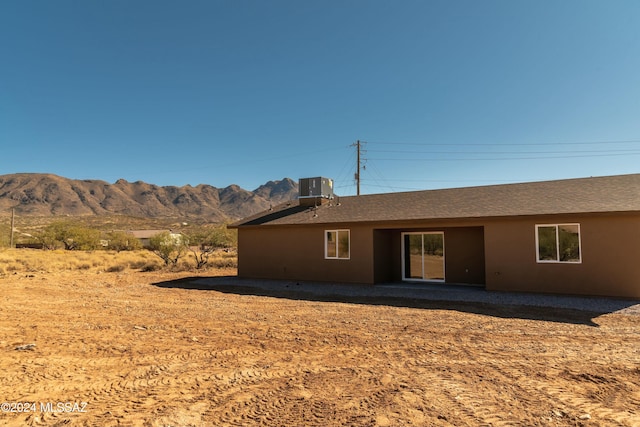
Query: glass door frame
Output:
(403,259)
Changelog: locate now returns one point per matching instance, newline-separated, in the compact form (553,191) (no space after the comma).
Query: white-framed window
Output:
(558,243)
(337,244)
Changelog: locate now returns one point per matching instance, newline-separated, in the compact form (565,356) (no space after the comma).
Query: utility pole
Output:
(358,168)
(358,146)
(13,213)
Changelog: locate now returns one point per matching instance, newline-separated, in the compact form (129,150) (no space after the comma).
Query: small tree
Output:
(121,241)
(205,241)
(168,246)
(47,238)
(85,239)
(200,246)
(72,236)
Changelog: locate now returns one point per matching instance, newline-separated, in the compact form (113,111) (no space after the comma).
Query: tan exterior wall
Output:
(500,253)
(464,255)
(610,266)
(297,253)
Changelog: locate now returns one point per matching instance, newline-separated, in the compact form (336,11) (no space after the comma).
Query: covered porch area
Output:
(451,255)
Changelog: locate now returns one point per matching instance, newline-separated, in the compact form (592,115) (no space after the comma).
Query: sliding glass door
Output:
(423,256)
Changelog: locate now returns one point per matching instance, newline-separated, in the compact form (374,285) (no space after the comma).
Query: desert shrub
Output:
(13,267)
(150,266)
(225,262)
(117,268)
(183,265)
(137,264)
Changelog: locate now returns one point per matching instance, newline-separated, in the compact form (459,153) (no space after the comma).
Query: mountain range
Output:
(47,194)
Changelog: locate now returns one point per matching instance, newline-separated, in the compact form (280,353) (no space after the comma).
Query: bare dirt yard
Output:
(140,349)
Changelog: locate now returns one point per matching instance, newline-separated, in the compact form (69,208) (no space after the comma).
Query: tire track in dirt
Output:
(156,357)
(291,397)
(466,394)
(533,394)
(599,394)
(462,404)
(562,402)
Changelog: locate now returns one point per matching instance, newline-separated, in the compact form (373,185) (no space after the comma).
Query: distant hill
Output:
(48,194)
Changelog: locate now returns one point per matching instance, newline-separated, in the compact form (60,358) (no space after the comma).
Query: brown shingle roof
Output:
(619,193)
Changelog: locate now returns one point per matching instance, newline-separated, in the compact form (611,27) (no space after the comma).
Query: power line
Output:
(502,144)
(344,174)
(462,159)
(453,180)
(493,152)
(621,151)
(380,178)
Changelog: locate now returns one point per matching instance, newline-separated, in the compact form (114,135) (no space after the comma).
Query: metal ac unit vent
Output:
(312,190)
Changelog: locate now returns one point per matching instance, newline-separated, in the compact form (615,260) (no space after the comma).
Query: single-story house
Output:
(574,236)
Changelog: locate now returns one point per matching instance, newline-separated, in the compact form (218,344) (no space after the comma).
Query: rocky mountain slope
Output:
(47,194)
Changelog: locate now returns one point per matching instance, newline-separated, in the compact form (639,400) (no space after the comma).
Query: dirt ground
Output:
(115,349)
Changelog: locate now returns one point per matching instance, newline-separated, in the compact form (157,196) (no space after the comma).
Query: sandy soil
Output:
(114,349)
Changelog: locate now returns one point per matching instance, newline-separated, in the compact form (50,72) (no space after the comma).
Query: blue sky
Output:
(445,93)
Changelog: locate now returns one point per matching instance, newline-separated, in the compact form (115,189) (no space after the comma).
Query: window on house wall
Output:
(337,244)
(558,243)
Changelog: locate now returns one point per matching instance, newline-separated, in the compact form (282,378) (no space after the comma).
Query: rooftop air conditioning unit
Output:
(313,190)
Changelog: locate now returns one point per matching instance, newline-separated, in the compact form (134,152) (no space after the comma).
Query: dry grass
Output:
(14,261)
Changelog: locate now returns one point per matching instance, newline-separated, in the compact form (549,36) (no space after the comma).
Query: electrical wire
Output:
(510,144)
(621,151)
(377,172)
(345,171)
(463,159)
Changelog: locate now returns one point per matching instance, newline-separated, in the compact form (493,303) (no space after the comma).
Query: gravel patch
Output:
(428,292)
